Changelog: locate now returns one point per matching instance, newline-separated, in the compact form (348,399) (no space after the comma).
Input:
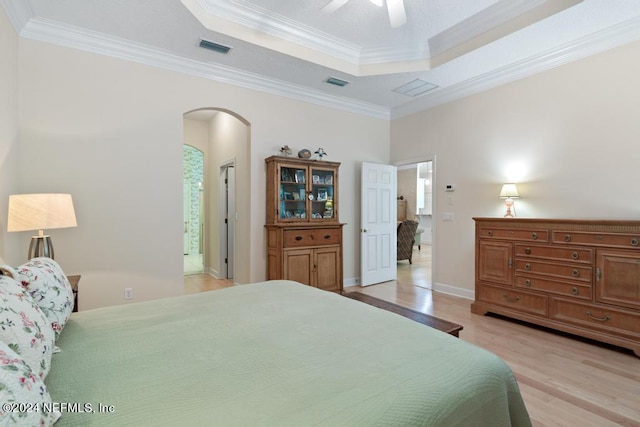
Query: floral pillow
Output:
(25,399)
(50,289)
(24,327)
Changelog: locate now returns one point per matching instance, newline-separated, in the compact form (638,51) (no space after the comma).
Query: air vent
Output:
(336,81)
(415,87)
(216,47)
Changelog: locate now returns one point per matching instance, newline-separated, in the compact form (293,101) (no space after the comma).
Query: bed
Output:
(273,353)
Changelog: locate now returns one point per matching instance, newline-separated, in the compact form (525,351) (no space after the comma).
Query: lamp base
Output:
(40,246)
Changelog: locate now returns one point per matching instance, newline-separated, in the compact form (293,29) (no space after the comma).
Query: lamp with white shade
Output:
(509,192)
(28,212)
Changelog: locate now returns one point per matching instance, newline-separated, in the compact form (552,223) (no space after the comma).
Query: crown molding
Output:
(52,32)
(19,13)
(626,32)
(68,36)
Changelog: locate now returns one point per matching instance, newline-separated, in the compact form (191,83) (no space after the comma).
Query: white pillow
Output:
(24,327)
(21,389)
(50,289)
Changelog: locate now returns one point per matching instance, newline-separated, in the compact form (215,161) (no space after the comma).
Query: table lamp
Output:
(508,193)
(40,212)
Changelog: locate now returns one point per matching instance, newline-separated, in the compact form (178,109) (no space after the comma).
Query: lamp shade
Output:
(40,212)
(509,191)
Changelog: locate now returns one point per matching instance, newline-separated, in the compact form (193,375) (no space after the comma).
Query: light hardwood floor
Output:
(564,380)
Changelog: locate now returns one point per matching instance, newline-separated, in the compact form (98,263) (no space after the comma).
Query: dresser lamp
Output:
(28,212)
(508,193)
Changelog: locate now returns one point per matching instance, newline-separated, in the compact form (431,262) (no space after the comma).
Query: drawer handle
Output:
(534,236)
(508,298)
(527,266)
(527,251)
(327,236)
(489,233)
(634,241)
(574,291)
(298,238)
(527,283)
(599,319)
(575,273)
(567,237)
(575,255)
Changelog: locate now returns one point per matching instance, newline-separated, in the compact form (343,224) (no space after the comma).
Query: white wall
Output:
(110,132)
(8,128)
(569,137)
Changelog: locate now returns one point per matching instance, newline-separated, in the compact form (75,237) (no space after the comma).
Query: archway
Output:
(224,138)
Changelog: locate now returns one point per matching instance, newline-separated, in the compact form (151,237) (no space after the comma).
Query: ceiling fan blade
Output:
(397,14)
(334,5)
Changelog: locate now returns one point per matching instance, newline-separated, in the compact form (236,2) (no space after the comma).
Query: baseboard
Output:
(453,290)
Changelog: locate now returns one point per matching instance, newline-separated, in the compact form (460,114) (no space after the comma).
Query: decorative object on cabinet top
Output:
(320,153)
(285,151)
(304,153)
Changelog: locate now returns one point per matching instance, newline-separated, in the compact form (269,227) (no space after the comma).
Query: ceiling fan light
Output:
(397,15)
(378,3)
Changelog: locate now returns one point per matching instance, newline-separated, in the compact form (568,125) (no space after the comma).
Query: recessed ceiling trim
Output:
(601,41)
(499,20)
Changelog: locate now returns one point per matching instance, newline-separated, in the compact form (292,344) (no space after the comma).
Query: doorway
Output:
(415,185)
(224,138)
(193,209)
(228,212)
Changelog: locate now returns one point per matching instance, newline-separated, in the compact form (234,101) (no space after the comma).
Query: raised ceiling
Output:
(291,47)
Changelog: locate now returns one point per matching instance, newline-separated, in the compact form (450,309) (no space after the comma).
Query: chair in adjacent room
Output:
(406,235)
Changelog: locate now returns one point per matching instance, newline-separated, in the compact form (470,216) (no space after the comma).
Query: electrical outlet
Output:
(128,293)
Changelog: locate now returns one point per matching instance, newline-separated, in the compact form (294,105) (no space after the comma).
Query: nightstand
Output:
(74,286)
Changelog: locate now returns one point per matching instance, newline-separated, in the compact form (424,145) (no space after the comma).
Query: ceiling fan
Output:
(395,8)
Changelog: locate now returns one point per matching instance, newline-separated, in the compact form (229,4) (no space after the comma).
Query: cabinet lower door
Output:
(495,261)
(618,278)
(298,265)
(327,266)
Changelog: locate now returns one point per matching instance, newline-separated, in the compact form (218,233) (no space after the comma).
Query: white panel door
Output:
(378,223)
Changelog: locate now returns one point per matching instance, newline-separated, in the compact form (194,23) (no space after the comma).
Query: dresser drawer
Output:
(558,253)
(575,290)
(561,271)
(513,298)
(528,235)
(597,317)
(618,240)
(311,237)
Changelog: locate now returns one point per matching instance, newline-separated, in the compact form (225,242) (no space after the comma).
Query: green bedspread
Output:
(273,353)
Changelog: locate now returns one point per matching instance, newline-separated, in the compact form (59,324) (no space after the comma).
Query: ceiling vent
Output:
(415,87)
(336,81)
(216,47)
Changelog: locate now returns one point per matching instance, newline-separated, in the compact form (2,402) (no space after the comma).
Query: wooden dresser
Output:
(576,276)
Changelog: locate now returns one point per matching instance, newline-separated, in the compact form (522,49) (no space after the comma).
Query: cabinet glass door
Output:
(293,193)
(323,192)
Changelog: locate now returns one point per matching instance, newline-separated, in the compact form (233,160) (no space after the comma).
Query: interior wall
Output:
(8,132)
(110,132)
(568,137)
